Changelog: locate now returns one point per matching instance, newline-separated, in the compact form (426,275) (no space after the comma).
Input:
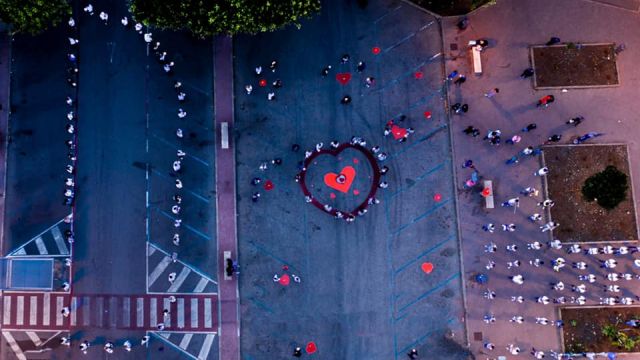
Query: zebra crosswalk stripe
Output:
(180,279)
(140,312)
(206,347)
(185,341)
(207,313)
(33,310)
(46,308)
(34,337)
(14,345)
(57,236)
(41,248)
(20,311)
(153,312)
(59,306)
(126,312)
(180,313)
(194,313)
(74,310)
(7,310)
(86,310)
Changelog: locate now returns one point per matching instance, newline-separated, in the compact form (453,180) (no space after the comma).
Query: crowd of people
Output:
(589,285)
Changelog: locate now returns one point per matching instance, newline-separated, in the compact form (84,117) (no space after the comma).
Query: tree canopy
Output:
(608,188)
(33,16)
(205,18)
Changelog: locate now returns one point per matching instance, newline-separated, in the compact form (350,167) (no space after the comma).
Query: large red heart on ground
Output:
(343,78)
(398,132)
(349,176)
(341,182)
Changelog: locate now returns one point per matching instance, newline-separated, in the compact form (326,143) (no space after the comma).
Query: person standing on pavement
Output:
(491,93)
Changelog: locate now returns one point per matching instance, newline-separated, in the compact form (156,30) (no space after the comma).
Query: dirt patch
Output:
(575,65)
(450,7)
(580,220)
(583,328)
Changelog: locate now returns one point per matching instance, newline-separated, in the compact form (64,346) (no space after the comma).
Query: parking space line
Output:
(192,229)
(176,148)
(422,216)
(406,38)
(196,195)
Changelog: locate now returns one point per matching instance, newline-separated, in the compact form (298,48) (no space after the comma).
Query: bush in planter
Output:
(608,188)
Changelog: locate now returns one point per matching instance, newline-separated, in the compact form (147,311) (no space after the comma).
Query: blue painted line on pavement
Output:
(420,340)
(191,228)
(271,255)
(405,75)
(261,305)
(427,293)
(419,178)
(419,102)
(419,141)
(426,252)
(387,14)
(406,38)
(196,195)
(166,142)
(422,216)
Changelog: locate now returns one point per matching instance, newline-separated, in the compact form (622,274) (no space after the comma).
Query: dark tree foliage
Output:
(205,18)
(33,16)
(608,188)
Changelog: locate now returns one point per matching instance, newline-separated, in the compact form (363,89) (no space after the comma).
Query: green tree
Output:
(608,188)
(33,16)
(205,18)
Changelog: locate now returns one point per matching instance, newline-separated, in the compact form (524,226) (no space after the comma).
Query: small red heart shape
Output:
(418,75)
(341,182)
(376,50)
(311,347)
(268,185)
(343,78)
(427,114)
(427,267)
(262,82)
(437,197)
(398,132)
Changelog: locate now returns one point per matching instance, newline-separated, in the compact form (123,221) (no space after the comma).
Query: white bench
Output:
(224,135)
(488,184)
(477,60)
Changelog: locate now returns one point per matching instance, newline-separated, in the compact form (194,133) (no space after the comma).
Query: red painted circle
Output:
(418,75)
(262,82)
(268,185)
(311,347)
(376,50)
(356,192)
(437,197)
(285,280)
(427,114)
(486,192)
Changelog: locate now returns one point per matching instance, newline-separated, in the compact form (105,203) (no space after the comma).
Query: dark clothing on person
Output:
(527,73)
(554,40)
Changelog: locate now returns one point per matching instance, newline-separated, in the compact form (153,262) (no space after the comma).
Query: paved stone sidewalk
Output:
(511,26)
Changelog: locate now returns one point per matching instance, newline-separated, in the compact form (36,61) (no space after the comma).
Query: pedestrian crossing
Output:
(185,279)
(43,311)
(50,242)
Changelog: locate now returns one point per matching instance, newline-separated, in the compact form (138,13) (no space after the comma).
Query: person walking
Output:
(549,226)
(527,73)
(491,93)
(575,121)
(542,171)
(529,127)
(546,100)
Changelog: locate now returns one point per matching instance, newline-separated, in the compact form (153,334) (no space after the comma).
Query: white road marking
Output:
(33,310)
(181,313)
(139,312)
(126,311)
(34,337)
(86,311)
(20,251)
(201,285)
(99,311)
(166,305)
(185,341)
(194,312)
(59,306)
(151,250)
(20,311)
(14,345)
(46,309)
(57,236)
(153,312)
(206,347)
(207,313)
(41,248)
(113,311)
(6,318)
(74,310)
(159,269)
(180,279)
